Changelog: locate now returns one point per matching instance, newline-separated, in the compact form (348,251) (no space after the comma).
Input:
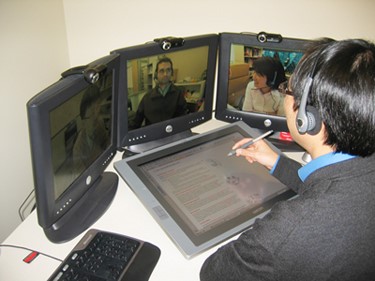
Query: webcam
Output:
(170,42)
(91,73)
(269,37)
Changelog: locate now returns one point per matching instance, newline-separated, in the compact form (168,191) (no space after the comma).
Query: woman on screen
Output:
(262,93)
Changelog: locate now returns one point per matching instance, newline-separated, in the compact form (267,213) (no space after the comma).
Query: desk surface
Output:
(126,215)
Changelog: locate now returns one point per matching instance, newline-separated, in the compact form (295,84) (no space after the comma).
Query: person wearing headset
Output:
(164,101)
(327,232)
(262,93)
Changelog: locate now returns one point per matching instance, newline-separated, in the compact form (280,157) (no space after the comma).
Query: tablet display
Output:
(206,194)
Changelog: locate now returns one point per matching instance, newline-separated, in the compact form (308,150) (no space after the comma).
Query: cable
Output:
(31,250)
(23,203)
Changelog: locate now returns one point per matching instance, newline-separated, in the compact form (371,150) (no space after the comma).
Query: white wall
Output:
(111,24)
(34,50)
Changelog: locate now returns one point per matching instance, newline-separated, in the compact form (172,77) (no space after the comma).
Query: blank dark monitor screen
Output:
(151,114)
(80,132)
(241,94)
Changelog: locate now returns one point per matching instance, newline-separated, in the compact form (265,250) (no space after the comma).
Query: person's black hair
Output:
(271,68)
(91,96)
(343,91)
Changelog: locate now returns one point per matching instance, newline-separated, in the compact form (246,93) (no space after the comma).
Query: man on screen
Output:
(164,101)
(328,231)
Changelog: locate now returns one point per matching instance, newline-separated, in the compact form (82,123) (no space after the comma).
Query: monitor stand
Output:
(85,211)
(143,147)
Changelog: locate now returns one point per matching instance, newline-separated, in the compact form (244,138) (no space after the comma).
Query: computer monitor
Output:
(148,119)
(73,137)
(239,95)
(199,195)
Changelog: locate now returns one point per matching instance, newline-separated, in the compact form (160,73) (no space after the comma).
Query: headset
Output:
(308,119)
(273,82)
(277,65)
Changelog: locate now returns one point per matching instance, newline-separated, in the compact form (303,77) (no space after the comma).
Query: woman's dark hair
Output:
(272,69)
(342,90)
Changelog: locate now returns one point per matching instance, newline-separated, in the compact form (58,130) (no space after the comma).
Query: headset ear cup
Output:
(314,121)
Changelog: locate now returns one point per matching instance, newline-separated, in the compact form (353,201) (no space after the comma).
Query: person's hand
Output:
(258,152)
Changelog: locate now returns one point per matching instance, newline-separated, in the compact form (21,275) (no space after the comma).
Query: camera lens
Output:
(166,45)
(262,37)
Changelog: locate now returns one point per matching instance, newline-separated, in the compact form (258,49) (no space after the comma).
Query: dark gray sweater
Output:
(326,233)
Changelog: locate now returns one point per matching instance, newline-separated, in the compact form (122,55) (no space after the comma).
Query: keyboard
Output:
(102,255)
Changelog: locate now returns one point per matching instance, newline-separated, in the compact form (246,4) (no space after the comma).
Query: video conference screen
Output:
(249,92)
(185,70)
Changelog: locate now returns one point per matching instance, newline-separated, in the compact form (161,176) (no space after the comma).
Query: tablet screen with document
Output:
(198,194)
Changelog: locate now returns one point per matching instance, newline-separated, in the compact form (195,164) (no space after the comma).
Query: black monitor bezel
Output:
(51,211)
(253,119)
(159,130)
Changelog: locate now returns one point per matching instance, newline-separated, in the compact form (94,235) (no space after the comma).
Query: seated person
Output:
(164,101)
(327,232)
(262,93)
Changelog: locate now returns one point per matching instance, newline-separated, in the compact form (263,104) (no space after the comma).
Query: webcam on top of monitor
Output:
(269,37)
(91,73)
(169,42)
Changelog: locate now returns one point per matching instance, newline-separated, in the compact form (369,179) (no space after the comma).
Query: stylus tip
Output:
(231,153)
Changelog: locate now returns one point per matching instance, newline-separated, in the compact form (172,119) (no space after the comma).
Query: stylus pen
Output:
(245,145)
